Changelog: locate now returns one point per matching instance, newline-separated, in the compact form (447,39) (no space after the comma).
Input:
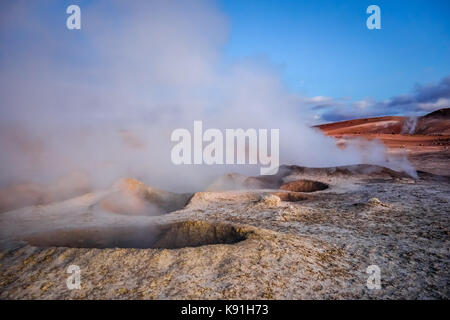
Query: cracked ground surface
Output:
(316,248)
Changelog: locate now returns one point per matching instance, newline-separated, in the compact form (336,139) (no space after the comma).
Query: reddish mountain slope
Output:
(426,138)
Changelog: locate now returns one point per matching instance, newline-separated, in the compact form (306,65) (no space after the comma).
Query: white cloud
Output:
(364,104)
(319,100)
(439,104)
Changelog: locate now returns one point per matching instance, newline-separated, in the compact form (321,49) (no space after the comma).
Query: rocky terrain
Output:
(303,234)
(426,139)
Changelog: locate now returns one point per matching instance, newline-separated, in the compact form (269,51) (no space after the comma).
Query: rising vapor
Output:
(103,101)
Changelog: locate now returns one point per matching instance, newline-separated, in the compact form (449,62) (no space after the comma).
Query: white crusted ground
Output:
(315,248)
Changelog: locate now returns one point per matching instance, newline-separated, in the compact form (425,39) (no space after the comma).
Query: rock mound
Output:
(362,171)
(270,200)
(132,197)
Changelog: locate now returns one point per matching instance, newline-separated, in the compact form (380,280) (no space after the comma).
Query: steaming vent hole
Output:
(304,186)
(134,198)
(170,236)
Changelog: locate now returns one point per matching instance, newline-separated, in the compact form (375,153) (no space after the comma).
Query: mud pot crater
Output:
(169,236)
(304,186)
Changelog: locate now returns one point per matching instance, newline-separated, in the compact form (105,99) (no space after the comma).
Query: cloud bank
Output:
(423,99)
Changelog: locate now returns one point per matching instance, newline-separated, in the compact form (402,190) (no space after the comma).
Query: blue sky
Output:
(323,50)
(324,47)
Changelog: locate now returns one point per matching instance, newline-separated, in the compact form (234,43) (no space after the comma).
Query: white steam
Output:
(409,126)
(104,100)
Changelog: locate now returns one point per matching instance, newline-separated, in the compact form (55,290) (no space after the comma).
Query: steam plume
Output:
(104,100)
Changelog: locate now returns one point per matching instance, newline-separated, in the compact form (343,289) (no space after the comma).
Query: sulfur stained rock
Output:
(132,197)
(374,202)
(269,200)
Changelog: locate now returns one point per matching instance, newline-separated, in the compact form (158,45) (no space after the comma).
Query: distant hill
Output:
(434,123)
(441,113)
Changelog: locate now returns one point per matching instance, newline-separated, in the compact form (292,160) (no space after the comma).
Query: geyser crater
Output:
(166,236)
(304,186)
